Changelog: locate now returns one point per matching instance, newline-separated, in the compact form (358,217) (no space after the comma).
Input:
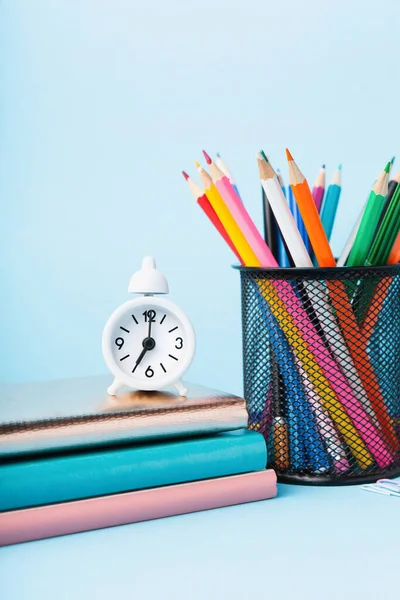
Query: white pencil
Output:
(281,210)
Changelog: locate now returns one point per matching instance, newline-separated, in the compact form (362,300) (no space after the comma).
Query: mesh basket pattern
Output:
(321,360)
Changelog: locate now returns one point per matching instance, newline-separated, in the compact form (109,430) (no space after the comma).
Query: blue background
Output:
(103,103)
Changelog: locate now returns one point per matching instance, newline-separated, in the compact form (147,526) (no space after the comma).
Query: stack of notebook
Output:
(74,459)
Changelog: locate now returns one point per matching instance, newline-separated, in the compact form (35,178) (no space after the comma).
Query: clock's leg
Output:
(181,388)
(114,387)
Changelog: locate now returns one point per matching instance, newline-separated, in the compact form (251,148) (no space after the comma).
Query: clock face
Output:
(148,342)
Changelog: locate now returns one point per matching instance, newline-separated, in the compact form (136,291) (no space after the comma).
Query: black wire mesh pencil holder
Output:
(321,367)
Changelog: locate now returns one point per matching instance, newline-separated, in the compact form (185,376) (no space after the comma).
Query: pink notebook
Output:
(120,509)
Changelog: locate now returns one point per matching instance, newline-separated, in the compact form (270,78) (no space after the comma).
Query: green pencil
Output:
(369,221)
(387,234)
(378,255)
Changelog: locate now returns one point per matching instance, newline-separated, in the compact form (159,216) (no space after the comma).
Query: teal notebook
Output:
(26,483)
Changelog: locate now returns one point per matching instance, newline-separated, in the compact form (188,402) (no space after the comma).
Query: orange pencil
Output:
(310,215)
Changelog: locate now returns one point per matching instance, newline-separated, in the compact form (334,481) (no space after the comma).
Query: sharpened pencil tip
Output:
(218,155)
(198,165)
(288,155)
(393,159)
(186,176)
(324,166)
(208,159)
(387,168)
(340,167)
(265,157)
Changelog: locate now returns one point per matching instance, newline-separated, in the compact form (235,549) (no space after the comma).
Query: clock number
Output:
(119,342)
(149,372)
(179,344)
(149,316)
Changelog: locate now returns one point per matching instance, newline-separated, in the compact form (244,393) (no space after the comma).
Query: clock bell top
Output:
(148,280)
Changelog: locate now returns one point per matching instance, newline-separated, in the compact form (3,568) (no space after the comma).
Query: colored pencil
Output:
(393,183)
(206,206)
(394,256)
(280,428)
(379,255)
(240,215)
(387,234)
(231,227)
(309,212)
(391,190)
(272,235)
(369,221)
(280,179)
(329,207)
(270,227)
(225,169)
(373,312)
(283,253)
(318,190)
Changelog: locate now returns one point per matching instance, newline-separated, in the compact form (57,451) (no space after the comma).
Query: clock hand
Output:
(148,344)
(140,357)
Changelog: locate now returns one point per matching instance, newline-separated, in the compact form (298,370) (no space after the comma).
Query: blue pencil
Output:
(283,257)
(329,207)
(297,217)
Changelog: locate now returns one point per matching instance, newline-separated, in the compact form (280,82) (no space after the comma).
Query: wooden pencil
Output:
(309,213)
(318,190)
(366,231)
(330,205)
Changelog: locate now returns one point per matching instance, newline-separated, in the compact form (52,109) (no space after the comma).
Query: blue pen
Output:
(330,204)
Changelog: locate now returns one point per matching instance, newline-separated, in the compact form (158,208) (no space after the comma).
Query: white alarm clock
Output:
(149,342)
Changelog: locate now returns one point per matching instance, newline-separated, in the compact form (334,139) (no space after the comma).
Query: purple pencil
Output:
(318,190)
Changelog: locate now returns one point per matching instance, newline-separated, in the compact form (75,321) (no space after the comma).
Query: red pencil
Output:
(204,203)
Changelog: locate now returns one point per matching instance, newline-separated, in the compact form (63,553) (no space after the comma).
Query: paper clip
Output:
(386,487)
